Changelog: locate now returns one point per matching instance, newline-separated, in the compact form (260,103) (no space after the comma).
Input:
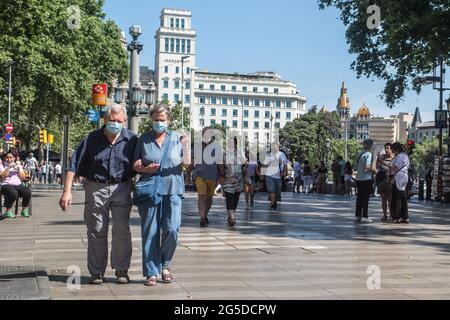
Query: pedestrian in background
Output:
(307,176)
(159,158)
(205,175)
(399,171)
(364,181)
(297,175)
(104,158)
(251,176)
(322,178)
(348,178)
(382,181)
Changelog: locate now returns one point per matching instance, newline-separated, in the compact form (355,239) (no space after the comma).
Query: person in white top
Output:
(399,171)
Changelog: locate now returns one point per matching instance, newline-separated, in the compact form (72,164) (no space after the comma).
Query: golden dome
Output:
(343,101)
(363,111)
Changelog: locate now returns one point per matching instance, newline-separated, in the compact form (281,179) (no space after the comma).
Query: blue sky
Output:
(291,37)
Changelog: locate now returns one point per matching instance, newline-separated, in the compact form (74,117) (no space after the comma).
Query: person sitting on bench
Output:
(13,174)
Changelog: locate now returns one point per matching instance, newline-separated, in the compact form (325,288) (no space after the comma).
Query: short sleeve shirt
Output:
(401,177)
(365,160)
(171,170)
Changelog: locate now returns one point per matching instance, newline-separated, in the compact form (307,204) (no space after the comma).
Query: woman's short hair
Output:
(368,143)
(397,147)
(158,108)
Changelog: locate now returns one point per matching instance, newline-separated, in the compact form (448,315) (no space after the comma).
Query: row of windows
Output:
(177,23)
(234,124)
(176,84)
(235,113)
(245,102)
(223,87)
(177,70)
(176,97)
(177,45)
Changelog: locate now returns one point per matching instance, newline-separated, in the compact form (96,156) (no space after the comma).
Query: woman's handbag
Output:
(146,191)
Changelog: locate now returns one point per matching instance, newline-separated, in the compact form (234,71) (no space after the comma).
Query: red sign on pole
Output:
(9,127)
(100,94)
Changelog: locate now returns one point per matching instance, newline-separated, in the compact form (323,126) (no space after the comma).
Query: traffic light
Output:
(43,136)
(50,138)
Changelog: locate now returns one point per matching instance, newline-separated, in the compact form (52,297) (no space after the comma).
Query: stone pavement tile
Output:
(236,293)
(300,294)
(225,284)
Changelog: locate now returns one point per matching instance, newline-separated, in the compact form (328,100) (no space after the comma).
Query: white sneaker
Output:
(368,220)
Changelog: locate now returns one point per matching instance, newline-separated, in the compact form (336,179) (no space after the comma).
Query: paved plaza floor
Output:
(309,248)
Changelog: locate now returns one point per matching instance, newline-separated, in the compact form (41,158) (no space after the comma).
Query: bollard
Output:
(421,189)
(429,190)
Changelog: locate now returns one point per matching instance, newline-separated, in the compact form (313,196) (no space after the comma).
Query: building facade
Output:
(175,54)
(251,104)
(364,125)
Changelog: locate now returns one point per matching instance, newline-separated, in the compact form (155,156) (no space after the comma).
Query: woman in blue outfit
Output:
(159,158)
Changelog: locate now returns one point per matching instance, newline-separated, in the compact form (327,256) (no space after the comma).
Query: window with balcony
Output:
(267,115)
(166,44)
(187,85)
(245,113)
(246,102)
(255,89)
(177,84)
(213,101)
(288,115)
(224,101)
(177,23)
(212,87)
(213,122)
(177,70)
(266,90)
(246,124)
(202,99)
(233,88)
(288,104)
(277,115)
(202,111)
(223,88)
(224,123)
(166,69)
(257,103)
(182,23)
(256,114)
(178,45)
(188,46)
(276,90)
(176,97)
(278,104)
(277,125)
(166,84)
(244,89)
(201,86)
(172,22)
(267,103)
(187,98)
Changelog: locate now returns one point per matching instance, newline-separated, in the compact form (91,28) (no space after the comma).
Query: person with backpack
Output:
(364,181)
(382,181)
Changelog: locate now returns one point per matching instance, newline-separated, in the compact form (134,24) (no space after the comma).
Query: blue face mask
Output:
(159,126)
(114,127)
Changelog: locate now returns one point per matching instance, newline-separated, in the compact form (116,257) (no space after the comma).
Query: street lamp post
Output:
(182,90)
(10,91)
(433,80)
(346,134)
(134,48)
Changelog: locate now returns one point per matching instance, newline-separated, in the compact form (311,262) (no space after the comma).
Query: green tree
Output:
(412,36)
(57,57)
(308,134)
(424,154)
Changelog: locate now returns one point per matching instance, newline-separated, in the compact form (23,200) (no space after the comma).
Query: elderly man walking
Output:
(104,158)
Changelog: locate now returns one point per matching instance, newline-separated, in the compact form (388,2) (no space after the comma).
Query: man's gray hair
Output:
(158,108)
(116,108)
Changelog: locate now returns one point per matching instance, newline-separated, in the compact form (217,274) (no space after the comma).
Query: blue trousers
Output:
(159,230)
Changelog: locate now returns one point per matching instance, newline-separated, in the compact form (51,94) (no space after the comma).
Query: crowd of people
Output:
(120,170)
(43,172)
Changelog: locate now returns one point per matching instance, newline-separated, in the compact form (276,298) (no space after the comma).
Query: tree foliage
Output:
(55,65)
(308,134)
(412,35)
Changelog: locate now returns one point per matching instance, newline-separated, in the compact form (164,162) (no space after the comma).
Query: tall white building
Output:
(251,104)
(174,39)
